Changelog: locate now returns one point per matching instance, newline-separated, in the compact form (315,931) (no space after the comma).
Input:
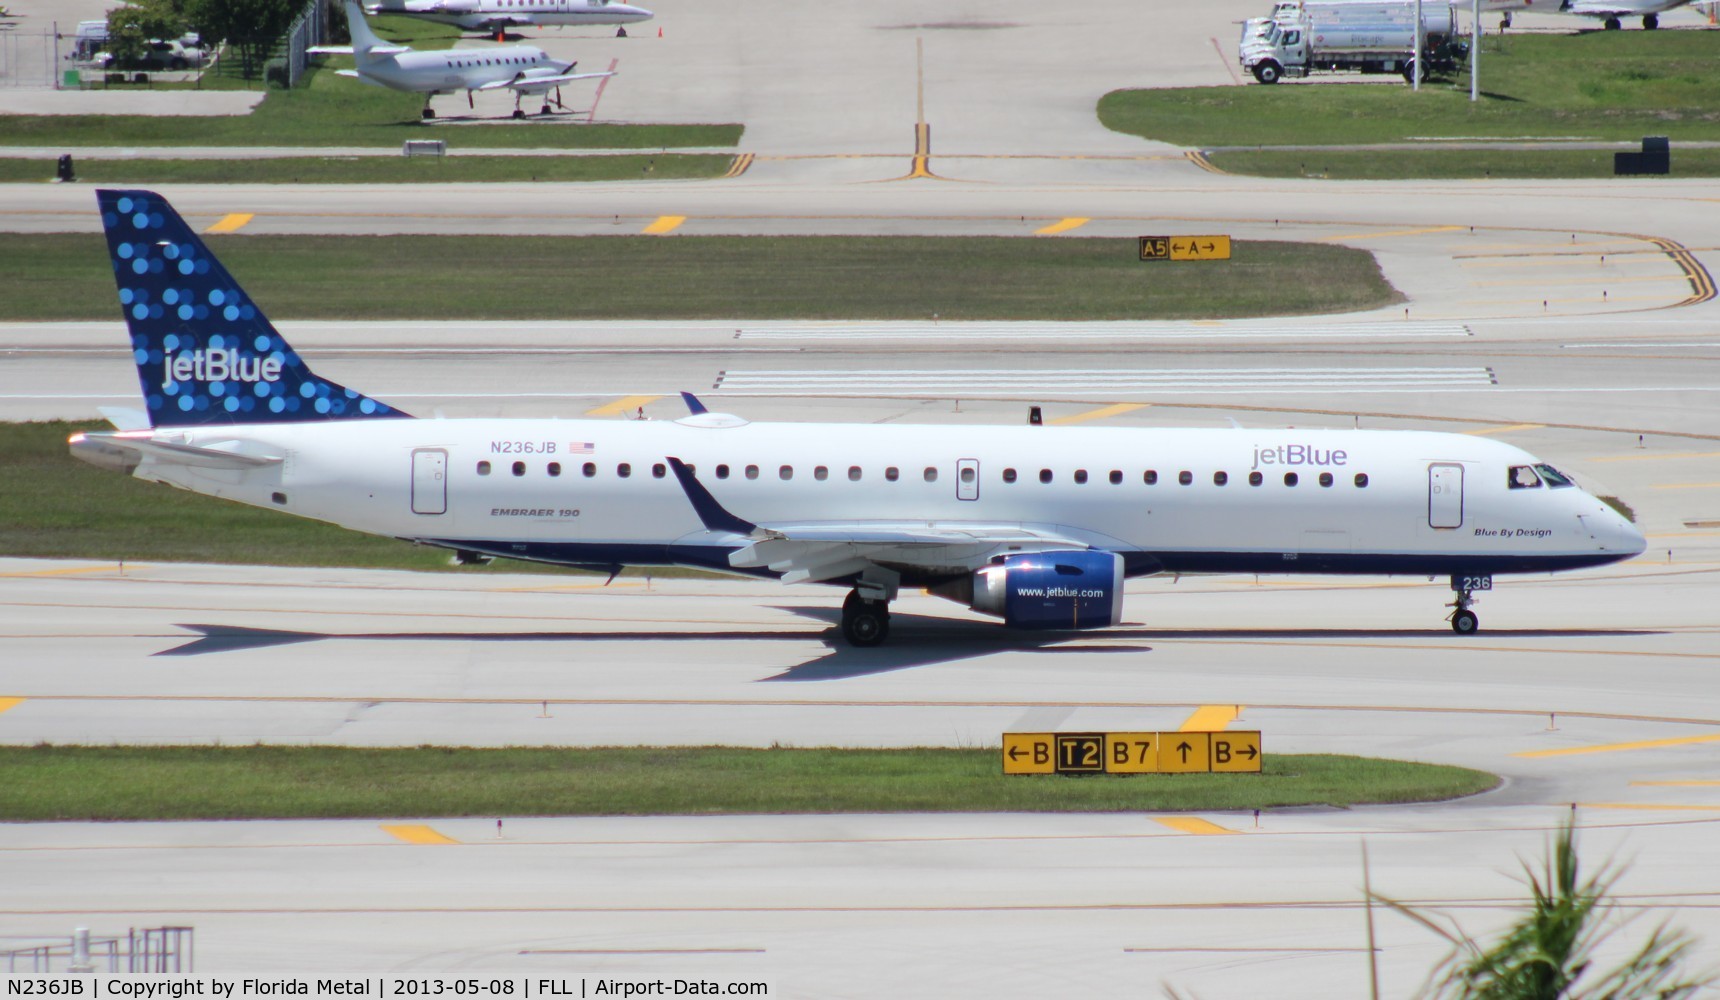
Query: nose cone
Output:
(630,12)
(1630,541)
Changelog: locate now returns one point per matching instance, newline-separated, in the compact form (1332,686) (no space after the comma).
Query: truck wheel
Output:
(1409,72)
(1268,72)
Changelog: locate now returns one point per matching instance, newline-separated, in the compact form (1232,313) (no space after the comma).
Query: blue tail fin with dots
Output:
(205,353)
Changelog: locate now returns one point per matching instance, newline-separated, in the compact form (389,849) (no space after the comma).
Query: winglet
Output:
(710,512)
(693,405)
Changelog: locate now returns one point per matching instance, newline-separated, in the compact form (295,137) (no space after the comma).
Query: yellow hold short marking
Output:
(1061,227)
(1101,413)
(7,704)
(665,224)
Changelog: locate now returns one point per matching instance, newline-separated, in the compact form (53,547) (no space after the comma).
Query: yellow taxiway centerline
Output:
(1676,784)
(231,223)
(7,704)
(626,404)
(1678,741)
(664,224)
(1101,413)
(1211,718)
(1064,226)
(1505,429)
(1398,232)
(416,833)
(1194,825)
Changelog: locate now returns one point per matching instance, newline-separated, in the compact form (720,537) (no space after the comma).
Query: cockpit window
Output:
(1554,477)
(1522,477)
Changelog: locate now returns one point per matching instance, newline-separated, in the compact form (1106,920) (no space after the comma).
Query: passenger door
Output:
(429,481)
(1445,495)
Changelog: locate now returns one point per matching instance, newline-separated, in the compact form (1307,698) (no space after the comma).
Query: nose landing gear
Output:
(1463,620)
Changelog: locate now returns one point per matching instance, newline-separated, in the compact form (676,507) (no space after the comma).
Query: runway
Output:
(1576,319)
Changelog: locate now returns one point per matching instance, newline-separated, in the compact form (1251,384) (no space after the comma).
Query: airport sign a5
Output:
(1185,248)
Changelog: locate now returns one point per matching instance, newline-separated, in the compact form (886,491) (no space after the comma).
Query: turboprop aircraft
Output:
(1039,526)
(494,16)
(523,69)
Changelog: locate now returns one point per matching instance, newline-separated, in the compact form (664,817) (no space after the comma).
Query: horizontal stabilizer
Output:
(125,450)
(346,50)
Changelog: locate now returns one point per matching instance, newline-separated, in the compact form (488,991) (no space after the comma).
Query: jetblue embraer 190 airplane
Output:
(1039,526)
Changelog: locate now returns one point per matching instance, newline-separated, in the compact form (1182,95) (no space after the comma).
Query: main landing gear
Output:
(865,621)
(1463,620)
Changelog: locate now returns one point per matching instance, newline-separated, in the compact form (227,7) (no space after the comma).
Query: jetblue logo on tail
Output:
(206,354)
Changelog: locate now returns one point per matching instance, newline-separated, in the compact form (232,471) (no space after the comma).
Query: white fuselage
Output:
(489,15)
(1431,503)
(452,70)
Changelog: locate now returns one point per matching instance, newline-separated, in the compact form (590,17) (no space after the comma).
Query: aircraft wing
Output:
(829,550)
(534,82)
(125,450)
(346,50)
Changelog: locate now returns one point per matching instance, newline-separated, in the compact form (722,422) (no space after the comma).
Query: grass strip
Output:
(378,169)
(1597,85)
(1337,163)
(69,277)
(51,783)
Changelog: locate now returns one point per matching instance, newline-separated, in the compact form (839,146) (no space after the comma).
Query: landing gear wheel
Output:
(427,114)
(1611,24)
(1650,21)
(864,623)
(1464,622)
(544,110)
(518,113)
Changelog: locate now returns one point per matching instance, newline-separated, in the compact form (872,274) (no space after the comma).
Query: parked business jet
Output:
(523,69)
(494,16)
(1610,11)
(1039,526)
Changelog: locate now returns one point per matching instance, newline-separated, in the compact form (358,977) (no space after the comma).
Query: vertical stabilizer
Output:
(205,353)
(363,39)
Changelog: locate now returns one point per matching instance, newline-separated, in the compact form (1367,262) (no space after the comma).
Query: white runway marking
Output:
(1156,379)
(1077,331)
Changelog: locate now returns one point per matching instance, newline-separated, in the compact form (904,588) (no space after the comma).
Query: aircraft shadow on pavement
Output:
(915,640)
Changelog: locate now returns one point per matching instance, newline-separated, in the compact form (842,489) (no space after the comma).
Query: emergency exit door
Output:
(429,481)
(967,479)
(1445,495)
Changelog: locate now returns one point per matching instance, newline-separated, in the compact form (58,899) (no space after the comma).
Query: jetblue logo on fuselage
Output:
(1299,454)
(218,364)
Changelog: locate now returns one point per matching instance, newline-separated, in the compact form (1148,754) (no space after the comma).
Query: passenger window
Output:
(1150,477)
(752,472)
(821,473)
(1045,475)
(1553,477)
(554,468)
(785,473)
(892,474)
(968,474)
(1361,480)
(623,470)
(1185,477)
(1116,477)
(1325,479)
(1220,478)
(1009,475)
(1521,477)
(853,473)
(931,474)
(722,472)
(1255,479)
(657,470)
(1291,479)
(519,468)
(1080,476)
(483,468)
(590,469)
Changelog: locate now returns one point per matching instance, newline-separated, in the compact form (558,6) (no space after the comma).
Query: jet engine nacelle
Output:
(1050,590)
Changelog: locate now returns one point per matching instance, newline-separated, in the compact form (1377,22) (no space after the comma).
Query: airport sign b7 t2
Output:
(1225,752)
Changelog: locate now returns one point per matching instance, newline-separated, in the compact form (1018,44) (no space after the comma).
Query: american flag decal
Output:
(581,448)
